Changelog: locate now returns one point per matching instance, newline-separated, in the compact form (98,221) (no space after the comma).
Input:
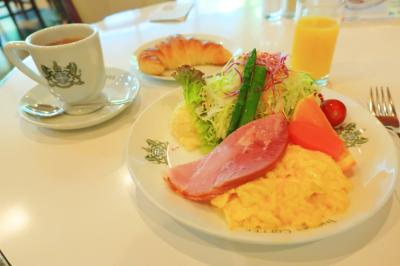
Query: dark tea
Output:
(64,41)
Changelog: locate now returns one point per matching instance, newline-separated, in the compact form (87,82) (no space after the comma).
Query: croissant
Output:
(177,51)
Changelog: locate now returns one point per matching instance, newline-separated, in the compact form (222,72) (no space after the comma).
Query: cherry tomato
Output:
(334,110)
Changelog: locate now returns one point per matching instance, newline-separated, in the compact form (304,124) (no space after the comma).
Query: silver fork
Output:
(381,106)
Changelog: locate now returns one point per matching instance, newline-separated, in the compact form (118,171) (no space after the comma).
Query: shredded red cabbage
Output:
(275,64)
(276,67)
(240,74)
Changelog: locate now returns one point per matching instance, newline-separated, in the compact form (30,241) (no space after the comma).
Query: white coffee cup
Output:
(70,62)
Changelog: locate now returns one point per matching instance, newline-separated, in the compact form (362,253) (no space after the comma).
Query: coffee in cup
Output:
(70,62)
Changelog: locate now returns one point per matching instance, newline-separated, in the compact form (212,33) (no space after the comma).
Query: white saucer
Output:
(120,84)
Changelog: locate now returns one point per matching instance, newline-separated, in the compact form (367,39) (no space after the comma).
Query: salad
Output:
(213,101)
(274,161)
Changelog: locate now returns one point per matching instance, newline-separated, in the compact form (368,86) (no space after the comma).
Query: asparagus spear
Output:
(247,75)
(253,95)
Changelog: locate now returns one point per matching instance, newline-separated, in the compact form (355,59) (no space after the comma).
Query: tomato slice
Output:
(316,138)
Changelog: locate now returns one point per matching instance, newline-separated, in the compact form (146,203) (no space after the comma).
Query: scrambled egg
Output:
(304,190)
(183,129)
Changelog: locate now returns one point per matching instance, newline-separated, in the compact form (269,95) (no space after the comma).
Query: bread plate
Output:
(207,69)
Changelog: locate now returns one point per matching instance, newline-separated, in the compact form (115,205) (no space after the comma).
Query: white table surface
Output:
(66,197)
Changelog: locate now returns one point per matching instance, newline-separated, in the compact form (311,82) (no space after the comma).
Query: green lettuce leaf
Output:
(210,102)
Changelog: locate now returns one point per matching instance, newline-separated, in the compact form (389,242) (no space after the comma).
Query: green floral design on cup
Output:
(62,77)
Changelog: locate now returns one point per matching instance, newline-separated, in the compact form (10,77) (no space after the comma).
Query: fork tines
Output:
(381,105)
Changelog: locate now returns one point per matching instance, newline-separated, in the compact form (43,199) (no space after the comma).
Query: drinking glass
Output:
(316,32)
(274,9)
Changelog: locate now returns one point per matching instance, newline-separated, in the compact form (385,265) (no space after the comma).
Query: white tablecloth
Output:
(66,197)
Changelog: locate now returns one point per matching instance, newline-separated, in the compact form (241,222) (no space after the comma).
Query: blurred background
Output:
(19,18)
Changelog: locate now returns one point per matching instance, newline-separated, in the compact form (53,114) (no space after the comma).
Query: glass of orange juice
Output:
(316,31)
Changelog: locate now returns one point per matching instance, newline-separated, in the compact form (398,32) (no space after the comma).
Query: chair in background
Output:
(66,10)
(18,7)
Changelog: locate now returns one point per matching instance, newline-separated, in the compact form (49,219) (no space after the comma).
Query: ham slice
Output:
(246,154)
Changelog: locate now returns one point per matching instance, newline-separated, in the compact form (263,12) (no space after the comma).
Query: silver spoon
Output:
(48,110)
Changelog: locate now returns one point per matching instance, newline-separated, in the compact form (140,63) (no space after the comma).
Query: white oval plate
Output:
(374,178)
(120,84)
(207,69)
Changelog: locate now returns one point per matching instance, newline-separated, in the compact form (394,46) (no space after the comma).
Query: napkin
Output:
(171,12)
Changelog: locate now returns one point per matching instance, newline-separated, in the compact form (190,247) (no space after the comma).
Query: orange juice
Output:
(314,44)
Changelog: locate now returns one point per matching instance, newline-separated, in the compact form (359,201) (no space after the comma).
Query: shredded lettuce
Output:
(285,96)
(193,83)
(218,104)
(296,87)
(210,102)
